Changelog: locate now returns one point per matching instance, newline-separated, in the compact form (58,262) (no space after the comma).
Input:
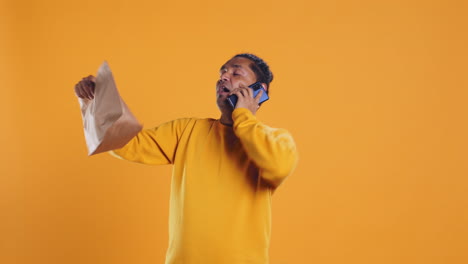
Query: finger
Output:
(250,92)
(240,96)
(259,95)
(91,81)
(245,91)
(91,78)
(90,87)
(234,91)
(84,89)
(87,90)
(80,92)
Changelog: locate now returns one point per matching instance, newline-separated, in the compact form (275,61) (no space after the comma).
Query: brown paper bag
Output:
(107,121)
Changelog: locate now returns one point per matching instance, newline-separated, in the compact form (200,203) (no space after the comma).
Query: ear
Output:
(265,86)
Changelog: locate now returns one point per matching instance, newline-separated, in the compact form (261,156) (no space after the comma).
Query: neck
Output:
(226,118)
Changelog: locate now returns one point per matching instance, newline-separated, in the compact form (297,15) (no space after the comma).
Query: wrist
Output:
(242,114)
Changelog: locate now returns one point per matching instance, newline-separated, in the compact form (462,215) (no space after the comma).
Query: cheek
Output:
(249,81)
(239,83)
(235,84)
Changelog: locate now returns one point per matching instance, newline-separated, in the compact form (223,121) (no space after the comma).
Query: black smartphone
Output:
(256,87)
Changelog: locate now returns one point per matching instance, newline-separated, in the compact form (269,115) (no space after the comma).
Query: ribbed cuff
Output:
(240,115)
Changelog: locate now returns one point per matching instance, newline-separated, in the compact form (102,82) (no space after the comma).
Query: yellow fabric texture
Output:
(222,181)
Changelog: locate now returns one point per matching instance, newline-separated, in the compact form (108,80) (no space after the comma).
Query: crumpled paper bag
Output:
(107,121)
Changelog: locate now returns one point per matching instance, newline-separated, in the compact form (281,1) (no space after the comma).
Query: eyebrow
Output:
(237,66)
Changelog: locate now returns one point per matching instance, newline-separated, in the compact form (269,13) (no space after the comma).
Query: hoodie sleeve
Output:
(272,150)
(155,146)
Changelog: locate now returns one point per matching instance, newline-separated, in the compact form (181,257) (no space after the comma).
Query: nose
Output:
(224,77)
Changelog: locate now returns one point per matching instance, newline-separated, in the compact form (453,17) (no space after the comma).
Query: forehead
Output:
(238,62)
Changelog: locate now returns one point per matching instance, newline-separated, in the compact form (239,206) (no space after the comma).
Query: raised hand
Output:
(85,88)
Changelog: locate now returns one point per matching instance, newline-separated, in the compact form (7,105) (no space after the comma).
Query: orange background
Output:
(374,92)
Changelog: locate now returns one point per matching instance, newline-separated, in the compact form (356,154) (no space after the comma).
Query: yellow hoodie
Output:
(222,181)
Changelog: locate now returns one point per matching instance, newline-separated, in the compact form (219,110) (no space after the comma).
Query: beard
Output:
(223,104)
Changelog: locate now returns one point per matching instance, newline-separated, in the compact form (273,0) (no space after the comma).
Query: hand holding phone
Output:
(256,87)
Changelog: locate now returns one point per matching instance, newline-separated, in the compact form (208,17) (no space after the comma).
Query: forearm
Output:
(272,150)
(155,146)
(142,149)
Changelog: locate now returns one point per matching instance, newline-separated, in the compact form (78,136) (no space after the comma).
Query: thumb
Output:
(259,95)
(91,78)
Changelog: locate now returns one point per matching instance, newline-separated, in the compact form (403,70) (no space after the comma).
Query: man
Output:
(224,171)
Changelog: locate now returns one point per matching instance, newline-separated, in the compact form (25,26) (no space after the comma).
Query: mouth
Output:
(223,89)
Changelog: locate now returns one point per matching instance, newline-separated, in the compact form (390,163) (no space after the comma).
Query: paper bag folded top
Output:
(107,121)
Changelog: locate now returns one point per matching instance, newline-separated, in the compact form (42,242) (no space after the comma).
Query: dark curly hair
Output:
(259,67)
